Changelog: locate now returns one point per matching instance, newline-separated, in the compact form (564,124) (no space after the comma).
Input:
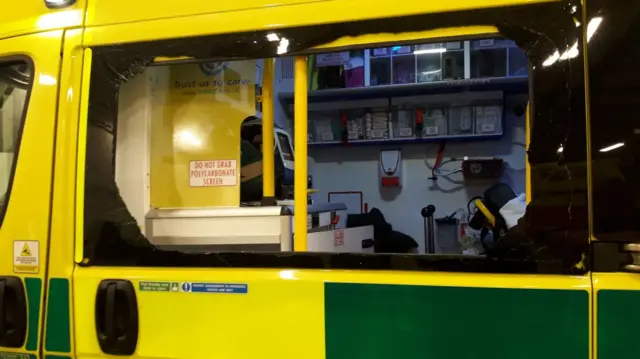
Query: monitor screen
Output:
(285,146)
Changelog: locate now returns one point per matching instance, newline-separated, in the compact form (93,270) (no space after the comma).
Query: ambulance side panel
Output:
(131,300)
(344,314)
(614,97)
(28,100)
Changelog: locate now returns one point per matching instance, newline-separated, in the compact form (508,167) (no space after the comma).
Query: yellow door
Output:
(614,91)
(134,300)
(29,69)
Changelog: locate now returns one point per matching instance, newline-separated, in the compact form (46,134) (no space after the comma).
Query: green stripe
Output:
(418,322)
(49,356)
(34,291)
(58,330)
(618,314)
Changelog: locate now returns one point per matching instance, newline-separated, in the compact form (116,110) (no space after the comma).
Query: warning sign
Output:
(217,173)
(26,256)
(158,286)
(338,237)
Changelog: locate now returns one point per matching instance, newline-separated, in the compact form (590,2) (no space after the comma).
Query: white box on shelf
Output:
(488,119)
(434,122)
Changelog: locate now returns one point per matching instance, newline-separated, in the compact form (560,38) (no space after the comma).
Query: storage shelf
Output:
(405,141)
(509,85)
(445,110)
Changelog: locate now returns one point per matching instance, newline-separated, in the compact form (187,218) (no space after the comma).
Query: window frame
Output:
(189,47)
(19,134)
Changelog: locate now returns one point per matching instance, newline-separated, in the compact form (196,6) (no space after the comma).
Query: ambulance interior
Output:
(412,148)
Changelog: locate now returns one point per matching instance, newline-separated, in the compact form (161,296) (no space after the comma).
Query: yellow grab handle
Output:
(482,208)
(300,180)
(268,161)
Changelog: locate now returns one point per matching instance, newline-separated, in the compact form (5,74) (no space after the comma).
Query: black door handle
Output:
(13,312)
(117,317)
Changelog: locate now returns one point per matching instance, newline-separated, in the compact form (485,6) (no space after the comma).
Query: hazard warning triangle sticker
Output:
(26,252)
(26,258)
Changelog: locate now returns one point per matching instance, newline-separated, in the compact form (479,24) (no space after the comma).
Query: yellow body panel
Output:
(285,308)
(28,211)
(31,16)
(372,39)
(111,12)
(616,281)
(108,12)
(61,252)
(266,17)
(80,158)
(282,315)
(223,326)
(62,224)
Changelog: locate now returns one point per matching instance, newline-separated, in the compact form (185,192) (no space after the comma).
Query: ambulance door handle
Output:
(109,310)
(117,317)
(13,312)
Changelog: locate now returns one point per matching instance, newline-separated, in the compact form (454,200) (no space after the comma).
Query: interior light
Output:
(593,26)
(272,37)
(430,51)
(58,4)
(283,47)
(573,51)
(431,72)
(612,147)
(560,149)
(187,138)
(552,59)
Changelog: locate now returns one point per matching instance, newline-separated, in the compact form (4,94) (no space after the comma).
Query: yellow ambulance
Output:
(80,277)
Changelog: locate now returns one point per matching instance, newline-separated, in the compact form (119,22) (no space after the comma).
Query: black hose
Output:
(469,214)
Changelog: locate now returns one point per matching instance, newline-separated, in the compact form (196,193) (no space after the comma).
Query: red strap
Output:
(438,161)
(344,118)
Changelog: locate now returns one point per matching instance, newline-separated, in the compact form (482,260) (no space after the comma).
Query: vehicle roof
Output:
(29,16)
(107,12)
